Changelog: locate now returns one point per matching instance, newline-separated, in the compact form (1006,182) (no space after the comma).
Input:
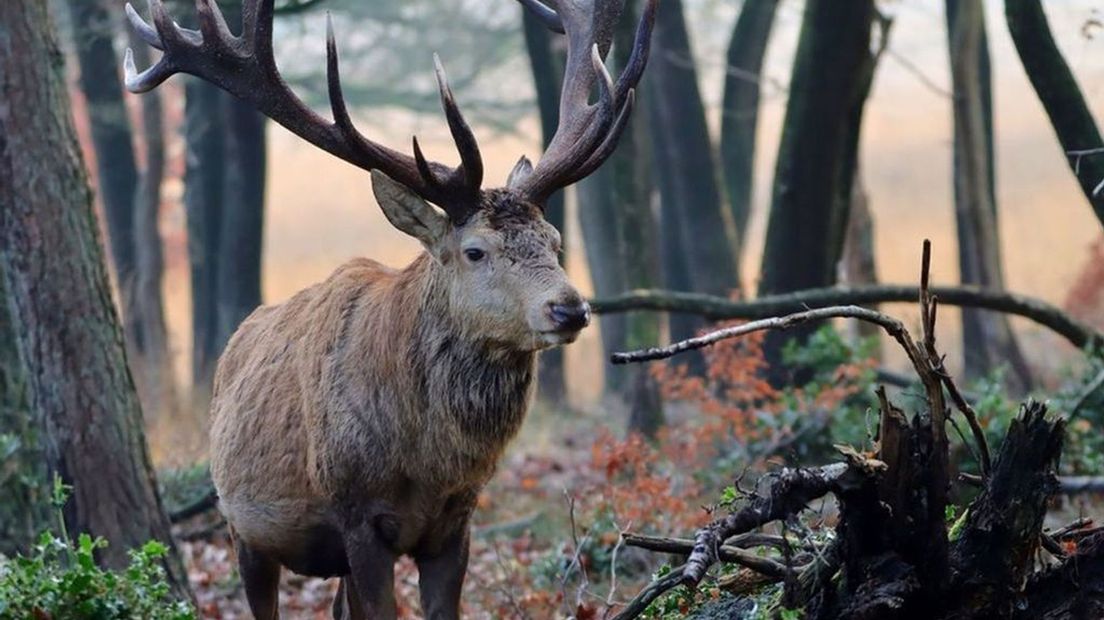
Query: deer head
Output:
(496,251)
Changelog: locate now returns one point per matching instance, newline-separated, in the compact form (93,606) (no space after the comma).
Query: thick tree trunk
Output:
(66,330)
(740,107)
(685,157)
(807,221)
(817,154)
(24,512)
(547,79)
(1058,91)
(116,171)
(987,339)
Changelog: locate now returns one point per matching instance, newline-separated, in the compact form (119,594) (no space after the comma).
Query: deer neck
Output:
(481,386)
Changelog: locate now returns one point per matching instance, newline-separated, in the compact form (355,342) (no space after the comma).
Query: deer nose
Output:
(570,316)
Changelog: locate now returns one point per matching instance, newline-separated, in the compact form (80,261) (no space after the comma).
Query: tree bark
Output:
(1059,93)
(24,511)
(807,221)
(740,107)
(67,335)
(204,181)
(987,339)
(817,155)
(156,383)
(547,79)
(116,170)
(686,160)
(241,239)
(636,229)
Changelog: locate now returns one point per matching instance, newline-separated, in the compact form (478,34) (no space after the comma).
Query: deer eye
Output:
(474,254)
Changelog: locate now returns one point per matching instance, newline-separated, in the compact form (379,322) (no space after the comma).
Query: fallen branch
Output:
(725,553)
(1077,333)
(791,490)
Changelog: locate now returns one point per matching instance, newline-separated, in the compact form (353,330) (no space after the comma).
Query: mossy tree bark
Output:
(67,338)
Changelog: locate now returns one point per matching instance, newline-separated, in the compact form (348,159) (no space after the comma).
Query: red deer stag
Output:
(358,420)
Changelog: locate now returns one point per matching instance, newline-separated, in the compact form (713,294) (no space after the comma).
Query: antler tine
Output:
(588,133)
(608,145)
(212,26)
(471,162)
(638,59)
(146,80)
(550,18)
(145,31)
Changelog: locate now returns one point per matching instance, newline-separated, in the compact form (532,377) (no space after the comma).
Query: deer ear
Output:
(521,171)
(408,212)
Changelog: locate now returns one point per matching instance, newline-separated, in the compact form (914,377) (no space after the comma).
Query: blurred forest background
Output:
(777,146)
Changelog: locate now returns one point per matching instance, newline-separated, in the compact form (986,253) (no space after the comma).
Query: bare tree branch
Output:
(1077,333)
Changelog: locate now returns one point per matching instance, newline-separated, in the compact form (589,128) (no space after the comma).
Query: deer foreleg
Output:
(371,580)
(441,575)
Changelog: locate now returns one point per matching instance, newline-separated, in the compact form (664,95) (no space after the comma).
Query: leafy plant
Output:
(59,579)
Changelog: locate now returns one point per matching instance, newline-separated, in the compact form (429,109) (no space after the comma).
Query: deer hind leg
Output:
(261,576)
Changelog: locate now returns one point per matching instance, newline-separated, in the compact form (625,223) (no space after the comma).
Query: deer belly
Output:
(294,532)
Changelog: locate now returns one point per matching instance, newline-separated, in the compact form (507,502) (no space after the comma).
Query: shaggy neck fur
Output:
(481,386)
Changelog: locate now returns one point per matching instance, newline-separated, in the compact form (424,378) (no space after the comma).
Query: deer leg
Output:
(441,576)
(370,586)
(261,577)
(346,605)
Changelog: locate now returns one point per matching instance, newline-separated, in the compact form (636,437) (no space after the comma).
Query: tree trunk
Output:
(24,512)
(156,383)
(116,171)
(740,107)
(597,220)
(987,339)
(817,154)
(224,201)
(204,190)
(686,158)
(807,221)
(1058,91)
(636,230)
(242,236)
(547,79)
(67,335)
(858,265)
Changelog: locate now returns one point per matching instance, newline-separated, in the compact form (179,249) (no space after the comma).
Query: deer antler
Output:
(587,133)
(245,67)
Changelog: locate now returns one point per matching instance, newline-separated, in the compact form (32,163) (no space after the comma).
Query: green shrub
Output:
(60,580)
